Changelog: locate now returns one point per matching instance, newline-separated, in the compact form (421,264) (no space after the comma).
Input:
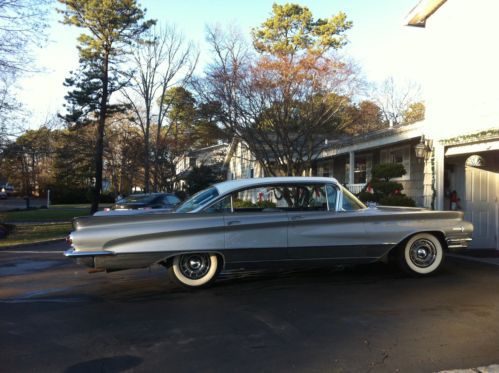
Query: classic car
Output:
(267,221)
(136,204)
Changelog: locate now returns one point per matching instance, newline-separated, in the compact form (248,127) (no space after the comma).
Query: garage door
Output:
(482,207)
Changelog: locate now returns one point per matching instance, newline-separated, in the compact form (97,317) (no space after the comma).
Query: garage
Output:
(472,171)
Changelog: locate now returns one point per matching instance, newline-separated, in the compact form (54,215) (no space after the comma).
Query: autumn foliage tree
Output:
(284,99)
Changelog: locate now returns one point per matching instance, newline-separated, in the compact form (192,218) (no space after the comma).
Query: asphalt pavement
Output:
(56,317)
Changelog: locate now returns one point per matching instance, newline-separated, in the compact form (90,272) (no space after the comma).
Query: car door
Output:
(334,232)
(256,226)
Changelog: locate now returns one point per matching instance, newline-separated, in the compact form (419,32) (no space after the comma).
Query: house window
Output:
(192,162)
(362,170)
(400,155)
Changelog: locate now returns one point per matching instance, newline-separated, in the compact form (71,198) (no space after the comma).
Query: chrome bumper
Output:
(458,242)
(72,253)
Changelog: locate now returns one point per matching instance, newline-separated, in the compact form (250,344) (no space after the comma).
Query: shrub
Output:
(387,171)
(386,192)
(397,200)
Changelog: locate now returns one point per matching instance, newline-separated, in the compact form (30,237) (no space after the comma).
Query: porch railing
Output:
(355,188)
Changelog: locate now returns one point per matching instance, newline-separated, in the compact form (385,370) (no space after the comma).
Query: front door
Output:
(328,226)
(256,226)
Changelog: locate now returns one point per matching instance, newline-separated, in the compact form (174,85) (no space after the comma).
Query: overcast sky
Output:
(379,41)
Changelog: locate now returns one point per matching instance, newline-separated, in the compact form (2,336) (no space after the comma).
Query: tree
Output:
(395,100)
(284,101)
(22,28)
(110,26)
(363,117)
(162,60)
(414,113)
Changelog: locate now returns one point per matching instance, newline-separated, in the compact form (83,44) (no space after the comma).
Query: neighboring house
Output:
(213,156)
(241,163)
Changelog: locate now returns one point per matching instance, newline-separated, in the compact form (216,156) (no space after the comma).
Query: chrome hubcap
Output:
(195,266)
(423,253)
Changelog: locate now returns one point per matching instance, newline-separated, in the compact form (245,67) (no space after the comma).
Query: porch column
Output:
(439,175)
(351,168)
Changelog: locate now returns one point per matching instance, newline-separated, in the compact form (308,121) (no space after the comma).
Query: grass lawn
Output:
(31,233)
(44,215)
(55,213)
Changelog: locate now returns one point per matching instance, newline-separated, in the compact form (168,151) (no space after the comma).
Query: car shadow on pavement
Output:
(113,364)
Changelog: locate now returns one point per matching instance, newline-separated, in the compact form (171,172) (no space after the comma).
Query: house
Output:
(462,112)
(240,162)
(456,146)
(213,156)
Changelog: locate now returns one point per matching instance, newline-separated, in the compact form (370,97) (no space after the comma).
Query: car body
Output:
(3,195)
(266,221)
(135,204)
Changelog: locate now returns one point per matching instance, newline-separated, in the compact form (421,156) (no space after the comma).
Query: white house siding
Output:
(242,164)
(459,61)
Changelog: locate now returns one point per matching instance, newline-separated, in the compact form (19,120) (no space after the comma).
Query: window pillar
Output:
(351,168)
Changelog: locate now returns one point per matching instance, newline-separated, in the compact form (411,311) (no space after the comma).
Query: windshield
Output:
(350,202)
(198,199)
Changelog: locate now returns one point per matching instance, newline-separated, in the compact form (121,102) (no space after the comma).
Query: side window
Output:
(171,200)
(263,198)
(332,197)
(310,198)
(219,207)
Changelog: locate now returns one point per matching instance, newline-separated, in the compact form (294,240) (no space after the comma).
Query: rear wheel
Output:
(422,255)
(194,270)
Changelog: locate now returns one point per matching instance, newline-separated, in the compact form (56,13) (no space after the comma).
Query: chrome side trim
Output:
(72,253)
(456,243)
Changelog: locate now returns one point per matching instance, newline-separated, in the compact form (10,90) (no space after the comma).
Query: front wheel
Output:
(194,270)
(422,255)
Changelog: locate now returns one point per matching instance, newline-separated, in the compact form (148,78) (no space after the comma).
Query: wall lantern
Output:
(423,149)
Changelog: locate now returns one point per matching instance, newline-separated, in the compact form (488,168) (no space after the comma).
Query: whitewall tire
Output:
(194,270)
(422,255)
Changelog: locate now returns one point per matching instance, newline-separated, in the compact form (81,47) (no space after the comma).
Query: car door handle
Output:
(233,222)
(297,217)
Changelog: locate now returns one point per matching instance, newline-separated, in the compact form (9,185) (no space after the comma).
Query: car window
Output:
(139,198)
(349,202)
(224,205)
(332,197)
(199,199)
(310,198)
(271,198)
(171,200)
(262,198)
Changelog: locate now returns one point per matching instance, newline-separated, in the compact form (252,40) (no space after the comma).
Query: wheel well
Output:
(438,234)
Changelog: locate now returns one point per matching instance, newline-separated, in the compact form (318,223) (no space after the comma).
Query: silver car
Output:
(267,221)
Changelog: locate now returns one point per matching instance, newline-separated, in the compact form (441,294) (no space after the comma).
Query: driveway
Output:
(54,316)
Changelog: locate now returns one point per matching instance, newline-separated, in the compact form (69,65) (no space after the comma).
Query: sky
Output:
(379,42)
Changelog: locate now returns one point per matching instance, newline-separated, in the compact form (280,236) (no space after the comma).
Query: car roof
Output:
(232,185)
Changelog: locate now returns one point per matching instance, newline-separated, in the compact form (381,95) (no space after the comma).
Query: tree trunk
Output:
(146,153)
(99,146)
